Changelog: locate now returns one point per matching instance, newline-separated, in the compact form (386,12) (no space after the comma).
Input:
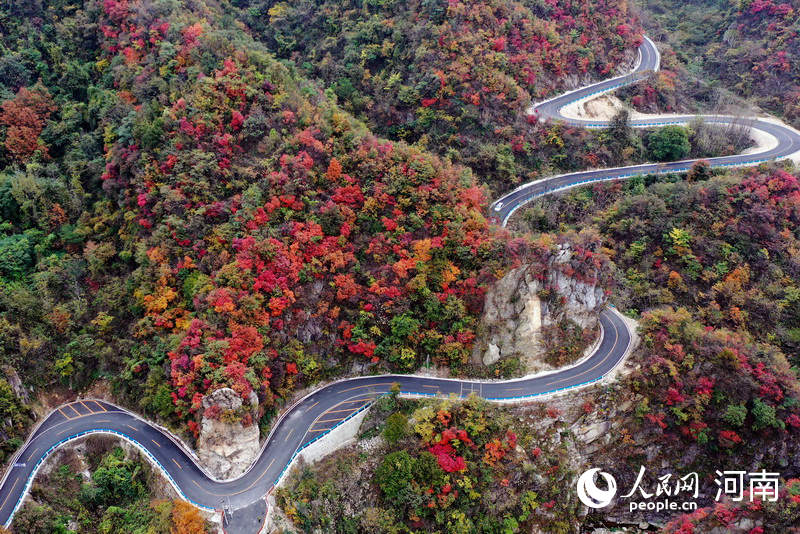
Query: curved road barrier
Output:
(315,415)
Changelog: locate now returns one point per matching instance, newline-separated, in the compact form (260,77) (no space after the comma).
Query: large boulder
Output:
(226,446)
(521,306)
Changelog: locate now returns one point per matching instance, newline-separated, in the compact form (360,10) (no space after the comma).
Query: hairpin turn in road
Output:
(316,414)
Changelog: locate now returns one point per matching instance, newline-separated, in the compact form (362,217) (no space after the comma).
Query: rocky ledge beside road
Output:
(225,446)
(521,309)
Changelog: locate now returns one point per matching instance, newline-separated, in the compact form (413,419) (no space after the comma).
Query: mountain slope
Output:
(455,76)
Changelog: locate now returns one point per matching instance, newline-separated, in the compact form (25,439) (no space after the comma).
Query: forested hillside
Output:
(182,213)
(436,466)
(750,47)
(268,195)
(715,261)
(712,387)
(456,76)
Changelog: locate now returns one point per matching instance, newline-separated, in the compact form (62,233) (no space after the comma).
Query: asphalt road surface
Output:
(308,419)
(314,415)
(788,140)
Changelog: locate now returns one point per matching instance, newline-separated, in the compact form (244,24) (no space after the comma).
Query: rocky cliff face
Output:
(521,306)
(16,384)
(225,446)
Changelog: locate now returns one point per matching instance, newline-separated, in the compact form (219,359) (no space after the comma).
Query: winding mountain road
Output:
(786,140)
(313,416)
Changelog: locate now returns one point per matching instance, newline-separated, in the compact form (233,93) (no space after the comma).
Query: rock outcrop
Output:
(227,447)
(16,384)
(522,304)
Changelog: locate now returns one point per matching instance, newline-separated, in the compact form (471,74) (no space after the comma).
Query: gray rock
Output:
(227,449)
(589,433)
(225,398)
(491,355)
(746,524)
(16,384)
(515,316)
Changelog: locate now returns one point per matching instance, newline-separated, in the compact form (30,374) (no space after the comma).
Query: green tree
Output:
(9,406)
(117,480)
(15,256)
(428,472)
(403,326)
(735,414)
(395,429)
(394,476)
(36,519)
(670,143)
(764,416)
(700,172)
(621,141)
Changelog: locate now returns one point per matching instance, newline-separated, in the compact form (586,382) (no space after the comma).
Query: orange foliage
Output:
(334,170)
(186,519)
(25,115)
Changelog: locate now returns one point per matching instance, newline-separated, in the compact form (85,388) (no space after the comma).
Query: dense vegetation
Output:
(185,213)
(455,77)
(442,468)
(180,211)
(725,246)
(242,232)
(715,259)
(15,417)
(710,388)
(751,47)
(111,496)
(714,386)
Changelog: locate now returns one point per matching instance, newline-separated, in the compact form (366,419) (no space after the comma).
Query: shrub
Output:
(396,427)
(670,143)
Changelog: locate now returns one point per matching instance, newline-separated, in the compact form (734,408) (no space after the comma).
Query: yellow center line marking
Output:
(131,427)
(104,420)
(616,340)
(289,434)
(30,456)
(370,399)
(209,492)
(310,407)
(9,493)
(256,480)
(432,387)
(176,463)
(154,441)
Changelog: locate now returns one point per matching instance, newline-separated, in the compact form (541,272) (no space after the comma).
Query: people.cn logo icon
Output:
(590,494)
